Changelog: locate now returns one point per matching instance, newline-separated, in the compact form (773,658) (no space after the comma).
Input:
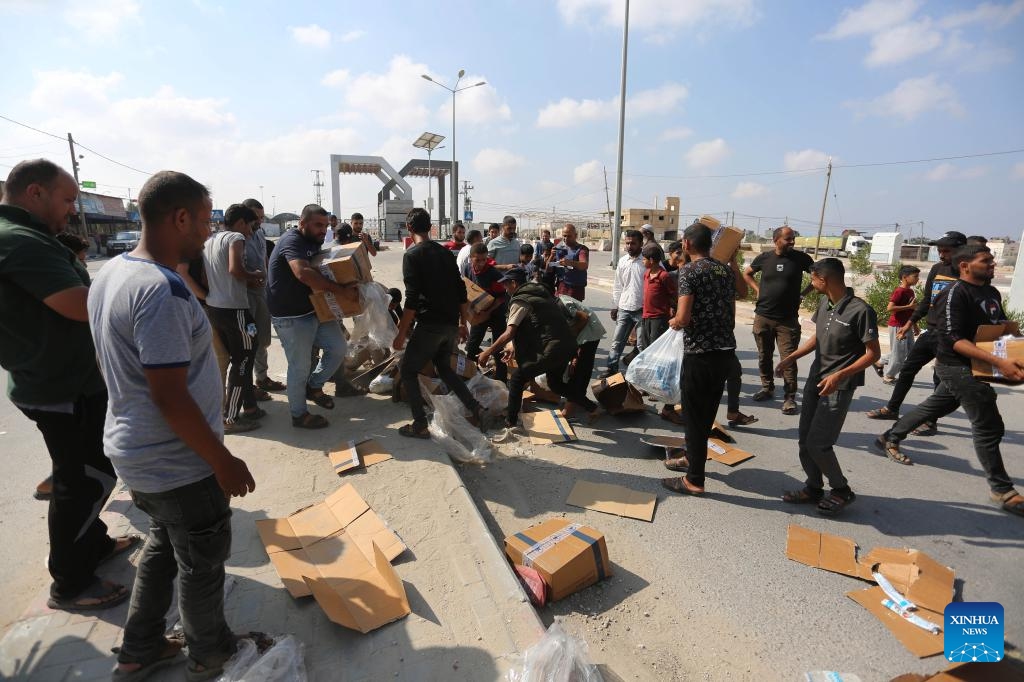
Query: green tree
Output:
(860,263)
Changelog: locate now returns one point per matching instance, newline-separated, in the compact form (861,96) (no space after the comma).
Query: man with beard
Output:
(505,249)
(571,260)
(967,303)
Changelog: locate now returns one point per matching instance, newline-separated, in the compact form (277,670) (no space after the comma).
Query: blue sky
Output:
(241,95)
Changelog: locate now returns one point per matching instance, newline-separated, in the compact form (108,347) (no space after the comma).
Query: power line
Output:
(64,139)
(25,125)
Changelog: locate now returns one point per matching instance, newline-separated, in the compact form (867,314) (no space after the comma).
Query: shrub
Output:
(812,299)
(860,263)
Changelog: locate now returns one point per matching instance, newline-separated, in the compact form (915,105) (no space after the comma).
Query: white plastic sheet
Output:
(283,662)
(658,369)
(557,657)
(373,328)
(461,440)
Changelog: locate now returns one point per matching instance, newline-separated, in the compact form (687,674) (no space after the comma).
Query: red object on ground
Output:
(533,583)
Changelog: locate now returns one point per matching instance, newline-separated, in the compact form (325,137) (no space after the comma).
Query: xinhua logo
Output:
(974,632)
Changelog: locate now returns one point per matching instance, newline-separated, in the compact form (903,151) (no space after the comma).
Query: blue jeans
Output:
(298,335)
(626,320)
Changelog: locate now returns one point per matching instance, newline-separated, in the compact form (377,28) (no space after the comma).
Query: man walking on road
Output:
(706,314)
(627,298)
(968,303)
(291,280)
(776,320)
(163,431)
(54,380)
(845,343)
(940,277)
(256,258)
(435,299)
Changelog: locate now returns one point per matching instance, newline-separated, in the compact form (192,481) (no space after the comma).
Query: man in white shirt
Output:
(332,225)
(462,259)
(627,297)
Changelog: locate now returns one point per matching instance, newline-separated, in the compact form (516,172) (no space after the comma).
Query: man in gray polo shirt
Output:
(256,259)
(844,344)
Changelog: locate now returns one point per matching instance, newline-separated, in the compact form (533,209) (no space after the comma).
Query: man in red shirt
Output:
(659,306)
(458,239)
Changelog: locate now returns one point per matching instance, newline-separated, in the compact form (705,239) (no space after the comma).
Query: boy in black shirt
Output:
(967,303)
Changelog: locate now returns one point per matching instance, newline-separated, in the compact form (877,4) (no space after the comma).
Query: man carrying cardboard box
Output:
(967,303)
(291,279)
(435,298)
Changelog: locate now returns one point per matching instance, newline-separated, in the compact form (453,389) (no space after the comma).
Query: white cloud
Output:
(971,57)
(551,186)
(804,160)
(98,20)
(335,78)
(352,36)
(680,133)
(492,160)
(396,98)
(749,190)
(476,105)
(947,171)
(568,112)
(993,15)
(299,146)
(911,98)
(660,15)
(312,35)
(53,89)
(707,154)
(871,17)
(586,171)
(1018,171)
(903,42)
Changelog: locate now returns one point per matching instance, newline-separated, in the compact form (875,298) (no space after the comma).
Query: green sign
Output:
(88,184)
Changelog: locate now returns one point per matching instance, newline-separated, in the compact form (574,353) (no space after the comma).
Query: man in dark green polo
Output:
(46,348)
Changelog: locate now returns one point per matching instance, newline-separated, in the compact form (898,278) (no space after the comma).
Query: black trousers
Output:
(703,383)
(432,343)
(920,355)
(83,479)
(551,363)
(497,324)
(237,331)
(582,371)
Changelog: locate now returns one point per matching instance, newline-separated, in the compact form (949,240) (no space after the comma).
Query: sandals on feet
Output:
(670,415)
(169,656)
(789,406)
(763,395)
(122,544)
(882,413)
(677,463)
(1010,501)
(411,431)
(803,496)
(98,596)
(318,396)
(835,503)
(891,450)
(926,429)
(741,419)
(269,384)
(679,484)
(309,421)
(197,672)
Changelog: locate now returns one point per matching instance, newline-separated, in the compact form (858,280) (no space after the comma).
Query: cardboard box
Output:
(725,243)
(339,551)
(479,302)
(618,396)
(547,427)
(569,556)
(329,306)
(462,365)
(356,454)
(345,264)
(989,338)
(609,498)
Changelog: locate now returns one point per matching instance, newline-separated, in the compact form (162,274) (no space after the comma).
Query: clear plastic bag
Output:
(282,662)
(557,657)
(490,393)
(461,440)
(373,328)
(659,367)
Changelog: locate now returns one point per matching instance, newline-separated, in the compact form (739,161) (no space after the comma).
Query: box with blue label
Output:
(569,556)
(1003,341)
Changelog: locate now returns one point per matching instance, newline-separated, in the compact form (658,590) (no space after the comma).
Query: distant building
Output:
(664,221)
(1004,251)
(104,214)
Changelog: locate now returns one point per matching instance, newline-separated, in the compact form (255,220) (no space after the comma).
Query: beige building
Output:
(665,221)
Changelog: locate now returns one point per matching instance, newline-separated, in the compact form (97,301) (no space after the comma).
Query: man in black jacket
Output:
(942,274)
(542,341)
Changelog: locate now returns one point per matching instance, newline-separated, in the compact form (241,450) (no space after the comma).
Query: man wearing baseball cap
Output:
(940,277)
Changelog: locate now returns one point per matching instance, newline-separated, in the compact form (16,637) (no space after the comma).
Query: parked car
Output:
(122,242)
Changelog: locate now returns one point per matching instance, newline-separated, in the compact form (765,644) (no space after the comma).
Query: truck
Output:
(833,246)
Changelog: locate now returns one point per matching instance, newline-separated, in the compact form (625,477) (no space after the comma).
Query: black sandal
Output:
(309,421)
(803,496)
(882,413)
(318,396)
(892,450)
(98,596)
(410,431)
(835,503)
(741,419)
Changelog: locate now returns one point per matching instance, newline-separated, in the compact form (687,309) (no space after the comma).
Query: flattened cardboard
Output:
(547,427)
(462,365)
(569,556)
(609,498)
(918,641)
(329,306)
(723,452)
(726,241)
(371,595)
(917,576)
(821,550)
(321,540)
(618,396)
(357,454)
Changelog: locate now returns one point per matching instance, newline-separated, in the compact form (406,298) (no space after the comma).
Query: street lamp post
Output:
(456,90)
(430,142)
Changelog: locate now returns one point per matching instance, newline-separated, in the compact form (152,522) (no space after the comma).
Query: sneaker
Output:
(763,395)
(240,426)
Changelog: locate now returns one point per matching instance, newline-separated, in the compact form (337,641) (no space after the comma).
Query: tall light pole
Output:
(617,226)
(430,142)
(273,198)
(261,194)
(456,90)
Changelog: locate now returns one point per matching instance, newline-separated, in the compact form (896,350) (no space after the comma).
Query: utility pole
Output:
(78,185)
(467,202)
(317,187)
(607,200)
(821,222)
(617,225)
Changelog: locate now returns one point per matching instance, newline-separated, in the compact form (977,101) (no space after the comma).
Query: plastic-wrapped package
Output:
(382,385)
(658,369)
(557,657)
(282,662)
(461,440)
(490,393)
(375,322)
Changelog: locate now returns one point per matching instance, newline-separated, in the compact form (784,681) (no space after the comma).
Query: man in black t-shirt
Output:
(967,303)
(776,318)
(845,342)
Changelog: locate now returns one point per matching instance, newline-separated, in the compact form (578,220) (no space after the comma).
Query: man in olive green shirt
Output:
(47,350)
